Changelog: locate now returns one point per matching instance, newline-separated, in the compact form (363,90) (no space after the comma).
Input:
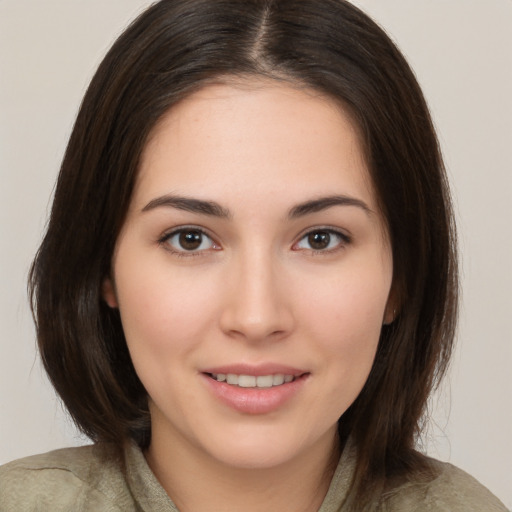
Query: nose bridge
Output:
(257,306)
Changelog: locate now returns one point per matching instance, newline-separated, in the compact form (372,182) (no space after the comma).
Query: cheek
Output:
(352,306)
(345,318)
(346,331)
(163,311)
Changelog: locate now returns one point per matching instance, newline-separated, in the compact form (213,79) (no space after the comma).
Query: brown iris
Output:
(190,240)
(319,240)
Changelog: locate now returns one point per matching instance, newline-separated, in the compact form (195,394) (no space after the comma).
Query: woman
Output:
(248,285)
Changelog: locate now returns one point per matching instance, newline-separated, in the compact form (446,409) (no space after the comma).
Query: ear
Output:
(108,293)
(389,315)
(392,308)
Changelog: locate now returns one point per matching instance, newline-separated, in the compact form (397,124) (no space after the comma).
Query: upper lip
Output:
(256,369)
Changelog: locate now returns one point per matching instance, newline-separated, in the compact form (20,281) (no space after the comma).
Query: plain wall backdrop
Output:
(461,51)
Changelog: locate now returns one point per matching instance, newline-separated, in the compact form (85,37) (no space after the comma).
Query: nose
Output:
(256,306)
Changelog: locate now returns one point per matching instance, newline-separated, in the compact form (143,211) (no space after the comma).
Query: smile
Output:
(256,389)
(252,381)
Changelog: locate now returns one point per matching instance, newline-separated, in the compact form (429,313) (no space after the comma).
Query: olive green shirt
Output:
(90,479)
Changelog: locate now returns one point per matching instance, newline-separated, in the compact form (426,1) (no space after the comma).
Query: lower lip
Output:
(255,400)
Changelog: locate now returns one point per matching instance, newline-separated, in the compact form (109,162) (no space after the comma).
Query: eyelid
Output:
(346,239)
(167,235)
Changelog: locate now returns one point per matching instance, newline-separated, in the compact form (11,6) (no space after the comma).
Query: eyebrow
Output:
(210,208)
(213,209)
(322,203)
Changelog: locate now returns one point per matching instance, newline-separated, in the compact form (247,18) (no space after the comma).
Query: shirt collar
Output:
(150,496)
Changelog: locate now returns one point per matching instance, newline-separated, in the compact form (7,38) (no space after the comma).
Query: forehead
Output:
(261,137)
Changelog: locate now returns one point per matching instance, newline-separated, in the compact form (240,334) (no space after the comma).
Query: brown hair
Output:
(171,50)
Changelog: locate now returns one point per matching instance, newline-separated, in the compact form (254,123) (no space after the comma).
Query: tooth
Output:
(246,381)
(264,381)
(278,379)
(231,378)
(250,381)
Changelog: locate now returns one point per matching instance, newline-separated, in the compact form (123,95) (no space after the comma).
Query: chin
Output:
(255,456)
(268,447)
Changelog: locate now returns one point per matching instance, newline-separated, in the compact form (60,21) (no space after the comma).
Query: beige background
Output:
(461,51)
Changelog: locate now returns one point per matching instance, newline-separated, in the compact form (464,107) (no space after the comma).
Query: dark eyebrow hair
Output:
(188,204)
(322,203)
(211,208)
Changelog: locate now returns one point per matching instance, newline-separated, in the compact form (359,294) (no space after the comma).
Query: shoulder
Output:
(448,489)
(83,479)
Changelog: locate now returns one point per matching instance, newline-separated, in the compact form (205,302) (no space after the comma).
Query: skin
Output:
(254,291)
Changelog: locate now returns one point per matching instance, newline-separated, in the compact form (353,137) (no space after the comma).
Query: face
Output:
(252,274)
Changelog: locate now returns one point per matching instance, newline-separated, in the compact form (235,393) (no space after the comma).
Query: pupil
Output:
(190,240)
(319,240)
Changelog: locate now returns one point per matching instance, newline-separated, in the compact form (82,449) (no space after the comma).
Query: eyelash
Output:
(343,241)
(164,241)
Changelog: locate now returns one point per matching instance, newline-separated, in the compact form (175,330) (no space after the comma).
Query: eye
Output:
(322,240)
(188,240)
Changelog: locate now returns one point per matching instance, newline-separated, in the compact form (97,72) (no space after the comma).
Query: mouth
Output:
(253,381)
(256,389)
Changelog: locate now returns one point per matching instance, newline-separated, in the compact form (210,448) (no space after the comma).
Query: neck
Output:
(197,483)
